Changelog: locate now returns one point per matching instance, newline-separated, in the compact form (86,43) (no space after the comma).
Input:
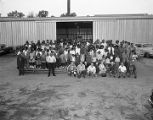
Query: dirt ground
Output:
(37,97)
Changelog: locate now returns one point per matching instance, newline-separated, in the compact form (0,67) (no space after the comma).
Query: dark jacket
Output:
(20,61)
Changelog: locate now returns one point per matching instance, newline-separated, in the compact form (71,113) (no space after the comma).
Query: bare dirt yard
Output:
(38,97)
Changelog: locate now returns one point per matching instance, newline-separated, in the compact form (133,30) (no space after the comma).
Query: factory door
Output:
(74,31)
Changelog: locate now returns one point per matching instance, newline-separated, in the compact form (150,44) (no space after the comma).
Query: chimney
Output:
(68,7)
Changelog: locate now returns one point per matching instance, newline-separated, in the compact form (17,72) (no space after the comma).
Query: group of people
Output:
(81,58)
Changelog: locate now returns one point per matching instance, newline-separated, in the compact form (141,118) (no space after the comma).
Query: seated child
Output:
(102,69)
(108,64)
(91,70)
(112,68)
(122,70)
(72,69)
(81,70)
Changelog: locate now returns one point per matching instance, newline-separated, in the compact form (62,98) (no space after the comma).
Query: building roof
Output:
(81,18)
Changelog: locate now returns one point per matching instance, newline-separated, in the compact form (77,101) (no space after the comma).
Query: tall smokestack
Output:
(68,7)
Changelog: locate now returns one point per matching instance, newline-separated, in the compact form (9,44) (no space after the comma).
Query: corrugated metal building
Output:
(135,28)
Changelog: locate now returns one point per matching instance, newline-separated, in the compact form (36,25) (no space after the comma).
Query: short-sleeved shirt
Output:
(122,68)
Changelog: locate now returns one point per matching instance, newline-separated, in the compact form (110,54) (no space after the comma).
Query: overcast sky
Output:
(81,7)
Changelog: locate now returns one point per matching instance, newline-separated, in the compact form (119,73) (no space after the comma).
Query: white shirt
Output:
(51,59)
(122,68)
(117,59)
(111,49)
(107,61)
(91,69)
(73,58)
(101,51)
(38,52)
(72,52)
(99,56)
(104,44)
(77,50)
(65,52)
(25,52)
(102,68)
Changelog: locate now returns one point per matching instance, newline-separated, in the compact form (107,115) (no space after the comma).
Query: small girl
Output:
(38,61)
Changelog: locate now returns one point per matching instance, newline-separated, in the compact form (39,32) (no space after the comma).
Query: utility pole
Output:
(68,7)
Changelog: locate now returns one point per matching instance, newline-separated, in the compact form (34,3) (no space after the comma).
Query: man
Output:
(20,63)
(91,70)
(81,71)
(51,60)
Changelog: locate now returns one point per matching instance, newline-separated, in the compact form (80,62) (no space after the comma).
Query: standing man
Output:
(51,61)
(20,62)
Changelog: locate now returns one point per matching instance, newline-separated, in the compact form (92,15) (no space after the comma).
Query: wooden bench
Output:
(37,70)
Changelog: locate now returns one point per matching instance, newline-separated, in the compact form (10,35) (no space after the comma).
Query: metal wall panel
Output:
(15,33)
(136,30)
(46,30)
(23,31)
(6,33)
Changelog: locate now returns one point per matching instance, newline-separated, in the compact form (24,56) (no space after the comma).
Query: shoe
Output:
(118,76)
(54,75)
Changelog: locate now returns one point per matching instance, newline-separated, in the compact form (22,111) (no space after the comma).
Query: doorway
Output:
(75,31)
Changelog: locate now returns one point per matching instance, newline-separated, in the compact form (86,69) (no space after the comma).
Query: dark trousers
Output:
(43,65)
(21,71)
(51,67)
(82,74)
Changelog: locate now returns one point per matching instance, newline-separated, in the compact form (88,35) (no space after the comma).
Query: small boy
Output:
(122,70)
(72,69)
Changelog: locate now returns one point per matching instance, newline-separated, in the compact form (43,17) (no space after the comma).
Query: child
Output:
(38,60)
(32,59)
(102,69)
(81,70)
(108,64)
(122,70)
(72,69)
(112,68)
